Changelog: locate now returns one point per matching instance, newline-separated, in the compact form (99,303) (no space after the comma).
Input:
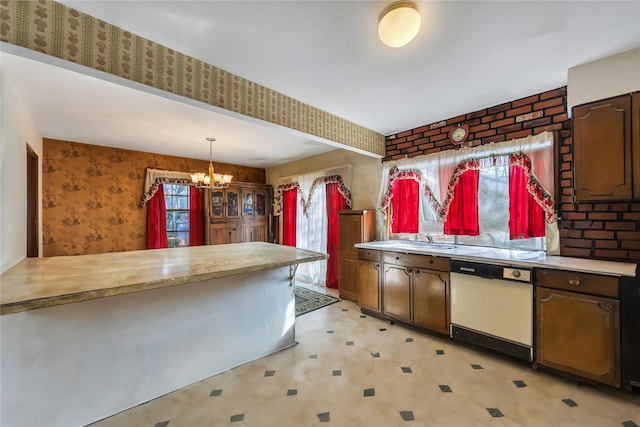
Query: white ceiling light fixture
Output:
(399,23)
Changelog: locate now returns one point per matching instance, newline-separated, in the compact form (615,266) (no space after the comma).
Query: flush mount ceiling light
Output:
(399,23)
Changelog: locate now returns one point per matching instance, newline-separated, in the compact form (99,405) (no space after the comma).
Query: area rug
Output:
(308,300)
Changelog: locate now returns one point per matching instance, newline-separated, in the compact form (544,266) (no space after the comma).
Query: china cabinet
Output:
(239,213)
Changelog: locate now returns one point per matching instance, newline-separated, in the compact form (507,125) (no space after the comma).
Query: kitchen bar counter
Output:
(44,282)
(510,257)
(72,356)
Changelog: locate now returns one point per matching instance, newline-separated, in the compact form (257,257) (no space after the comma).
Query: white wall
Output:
(16,131)
(604,78)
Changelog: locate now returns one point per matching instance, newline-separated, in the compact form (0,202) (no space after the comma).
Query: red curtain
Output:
(157,221)
(289,214)
(526,217)
(462,218)
(405,202)
(335,202)
(196,216)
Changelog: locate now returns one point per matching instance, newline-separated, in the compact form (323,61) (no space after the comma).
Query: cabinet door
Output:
(602,159)
(635,143)
(430,295)
(348,279)
(247,203)
(579,334)
(223,233)
(350,233)
(260,203)
(254,233)
(217,204)
(233,203)
(369,285)
(396,299)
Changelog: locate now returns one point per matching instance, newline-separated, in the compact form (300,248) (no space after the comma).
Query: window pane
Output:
(182,190)
(182,202)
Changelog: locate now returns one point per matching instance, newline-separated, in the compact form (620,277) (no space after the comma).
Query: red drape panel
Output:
(157,221)
(405,202)
(289,214)
(335,202)
(526,217)
(462,218)
(196,216)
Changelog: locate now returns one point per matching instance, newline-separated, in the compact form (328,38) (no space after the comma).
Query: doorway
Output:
(33,243)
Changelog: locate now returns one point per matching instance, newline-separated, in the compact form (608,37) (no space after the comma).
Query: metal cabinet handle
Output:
(417,271)
(574,282)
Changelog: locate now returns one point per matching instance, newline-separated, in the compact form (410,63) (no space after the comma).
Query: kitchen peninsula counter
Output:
(44,282)
(85,337)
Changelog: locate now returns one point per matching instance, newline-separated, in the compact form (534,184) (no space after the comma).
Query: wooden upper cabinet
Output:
(602,150)
(635,142)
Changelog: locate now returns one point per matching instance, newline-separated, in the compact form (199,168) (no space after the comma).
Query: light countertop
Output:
(510,257)
(43,282)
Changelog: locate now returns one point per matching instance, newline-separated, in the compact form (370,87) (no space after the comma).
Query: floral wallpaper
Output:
(91,195)
(60,31)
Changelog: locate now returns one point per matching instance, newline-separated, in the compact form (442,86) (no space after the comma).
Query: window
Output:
(176,198)
(496,221)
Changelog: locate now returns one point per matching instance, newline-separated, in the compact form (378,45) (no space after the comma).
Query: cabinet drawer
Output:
(368,255)
(413,260)
(578,282)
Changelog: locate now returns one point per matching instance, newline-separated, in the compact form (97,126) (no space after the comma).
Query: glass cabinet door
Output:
(247,203)
(217,204)
(260,202)
(232,203)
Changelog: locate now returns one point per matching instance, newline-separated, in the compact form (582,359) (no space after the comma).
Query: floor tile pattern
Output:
(399,377)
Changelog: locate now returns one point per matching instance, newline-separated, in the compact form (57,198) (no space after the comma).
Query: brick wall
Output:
(588,230)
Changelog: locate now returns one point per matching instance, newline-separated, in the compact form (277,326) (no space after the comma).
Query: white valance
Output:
(307,183)
(154,177)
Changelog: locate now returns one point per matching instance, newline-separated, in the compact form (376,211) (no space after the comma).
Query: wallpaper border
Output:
(57,30)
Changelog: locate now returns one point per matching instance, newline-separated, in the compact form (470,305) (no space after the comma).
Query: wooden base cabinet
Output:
(353,227)
(397,292)
(579,333)
(415,289)
(430,300)
(369,271)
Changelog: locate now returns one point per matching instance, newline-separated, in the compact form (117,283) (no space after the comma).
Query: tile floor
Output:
(355,370)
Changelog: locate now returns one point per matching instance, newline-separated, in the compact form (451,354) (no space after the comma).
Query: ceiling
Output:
(467,56)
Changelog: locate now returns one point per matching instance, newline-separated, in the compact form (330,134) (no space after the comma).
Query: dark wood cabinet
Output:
(430,289)
(239,213)
(578,332)
(353,227)
(369,280)
(415,289)
(606,162)
(397,292)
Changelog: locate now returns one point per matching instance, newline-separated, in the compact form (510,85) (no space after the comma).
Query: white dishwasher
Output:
(492,306)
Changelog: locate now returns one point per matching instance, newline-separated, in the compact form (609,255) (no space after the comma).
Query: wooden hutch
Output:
(239,213)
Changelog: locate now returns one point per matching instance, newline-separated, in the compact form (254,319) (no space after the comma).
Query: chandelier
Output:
(211,179)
